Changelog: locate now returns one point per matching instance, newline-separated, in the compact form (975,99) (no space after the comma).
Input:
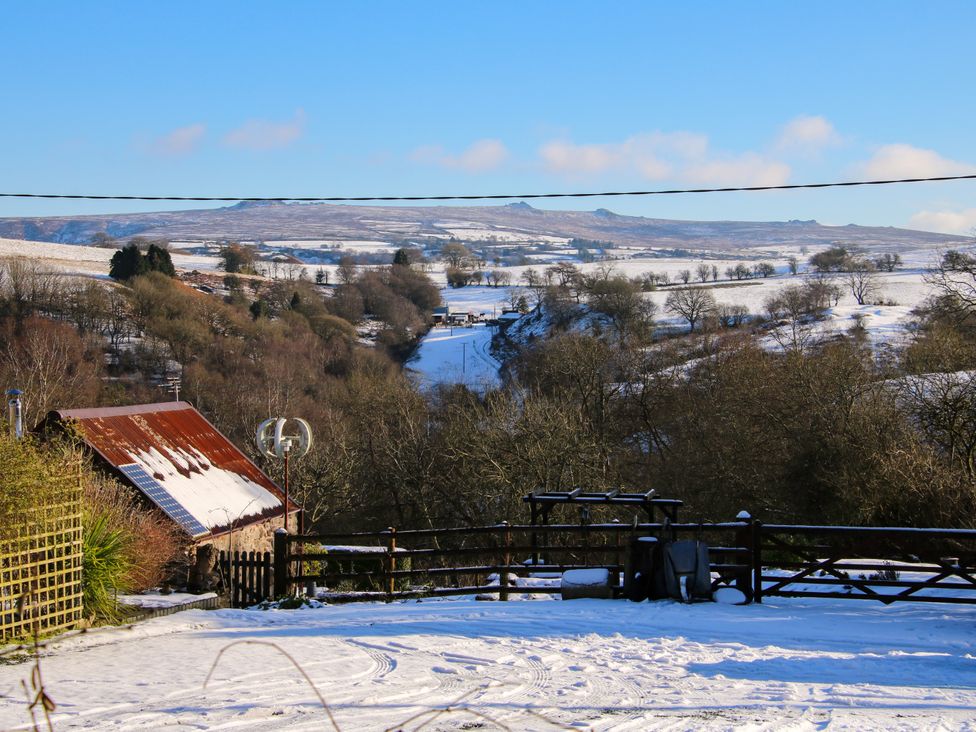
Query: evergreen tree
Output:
(158,260)
(127,263)
(259,308)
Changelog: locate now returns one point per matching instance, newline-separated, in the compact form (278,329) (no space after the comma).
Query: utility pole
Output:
(464,357)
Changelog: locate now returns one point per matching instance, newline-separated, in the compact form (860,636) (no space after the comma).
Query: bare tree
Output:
(703,272)
(763,269)
(685,275)
(52,365)
(944,406)
(30,287)
(565,274)
(346,272)
(623,301)
(536,282)
(456,254)
(823,292)
(796,305)
(888,262)
(692,304)
(794,264)
(954,279)
(602,271)
(861,280)
(732,316)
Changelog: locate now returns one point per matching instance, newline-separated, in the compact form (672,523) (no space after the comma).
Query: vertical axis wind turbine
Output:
(273,442)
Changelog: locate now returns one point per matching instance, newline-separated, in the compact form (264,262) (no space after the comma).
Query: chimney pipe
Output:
(15,413)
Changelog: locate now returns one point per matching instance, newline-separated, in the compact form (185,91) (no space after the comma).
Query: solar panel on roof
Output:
(158,494)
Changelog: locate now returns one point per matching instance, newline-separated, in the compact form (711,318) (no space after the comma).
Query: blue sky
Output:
(247,98)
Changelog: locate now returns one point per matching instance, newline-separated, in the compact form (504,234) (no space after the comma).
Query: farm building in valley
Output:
(182,465)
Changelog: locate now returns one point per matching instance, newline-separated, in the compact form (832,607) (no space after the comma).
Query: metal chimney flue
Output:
(15,413)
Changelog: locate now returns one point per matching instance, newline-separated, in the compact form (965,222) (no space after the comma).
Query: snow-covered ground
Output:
(585,664)
(458,355)
(352,246)
(478,299)
(76,259)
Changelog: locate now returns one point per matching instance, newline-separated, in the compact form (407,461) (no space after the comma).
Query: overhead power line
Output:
(493,196)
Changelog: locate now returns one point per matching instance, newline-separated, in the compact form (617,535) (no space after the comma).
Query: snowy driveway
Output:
(596,664)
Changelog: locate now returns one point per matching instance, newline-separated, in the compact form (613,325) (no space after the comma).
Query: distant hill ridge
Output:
(255,221)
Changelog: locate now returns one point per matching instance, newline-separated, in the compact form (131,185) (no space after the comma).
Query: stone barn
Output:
(184,466)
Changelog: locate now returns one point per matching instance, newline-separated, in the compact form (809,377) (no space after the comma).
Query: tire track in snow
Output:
(538,680)
(385,665)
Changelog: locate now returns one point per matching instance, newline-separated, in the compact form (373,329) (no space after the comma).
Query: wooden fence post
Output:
(615,579)
(586,544)
(757,589)
(506,560)
(235,579)
(391,564)
(743,540)
(266,569)
(281,568)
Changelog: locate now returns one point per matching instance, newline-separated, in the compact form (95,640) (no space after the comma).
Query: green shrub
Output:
(106,566)
(30,478)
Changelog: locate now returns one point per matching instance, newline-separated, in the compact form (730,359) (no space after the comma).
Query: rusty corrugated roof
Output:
(203,471)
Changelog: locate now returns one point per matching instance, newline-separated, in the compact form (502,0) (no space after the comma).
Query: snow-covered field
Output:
(456,356)
(584,664)
(75,259)
(478,299)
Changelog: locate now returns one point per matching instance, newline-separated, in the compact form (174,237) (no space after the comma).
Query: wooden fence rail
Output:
(762,561)
(394,564)
(776,560)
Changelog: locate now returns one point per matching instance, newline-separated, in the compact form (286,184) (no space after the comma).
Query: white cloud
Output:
(480,156)
(181,141)
(565,157)
(748,169)
(654,155)
(807,133)
(663,156)
(945,222)
(260,134)
(906,161)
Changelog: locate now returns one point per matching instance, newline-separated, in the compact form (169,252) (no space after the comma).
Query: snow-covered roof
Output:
(180,462)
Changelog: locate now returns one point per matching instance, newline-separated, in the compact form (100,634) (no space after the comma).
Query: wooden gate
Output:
(887,564)
(246,577)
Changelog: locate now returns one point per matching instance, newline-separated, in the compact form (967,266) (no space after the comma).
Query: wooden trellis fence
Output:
(40,567)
